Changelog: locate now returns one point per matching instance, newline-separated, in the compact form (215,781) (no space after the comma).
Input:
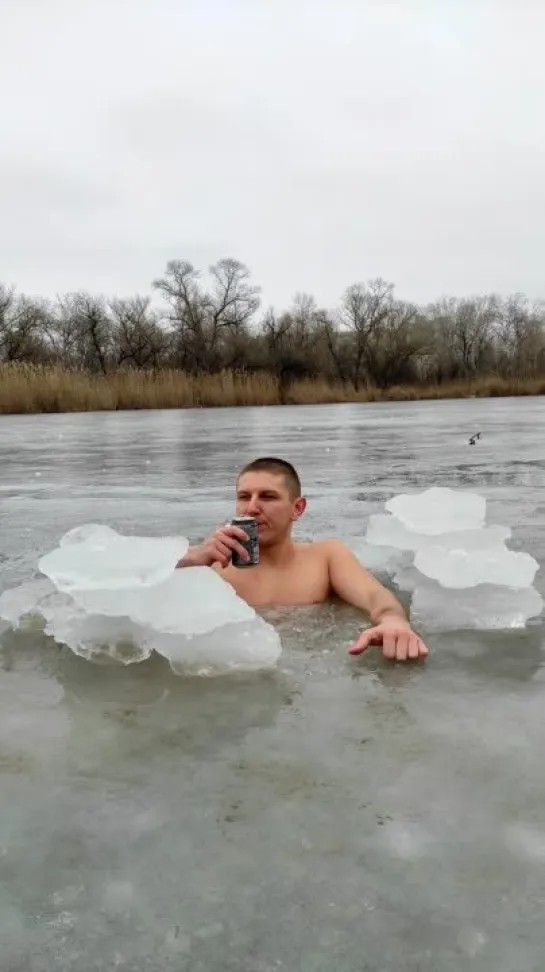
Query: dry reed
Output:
(31,388)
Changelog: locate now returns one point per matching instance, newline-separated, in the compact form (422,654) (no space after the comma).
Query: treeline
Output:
(212,324)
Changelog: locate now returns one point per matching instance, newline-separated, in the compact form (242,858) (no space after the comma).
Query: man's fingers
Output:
(362,643)
(227,550)
(422,649)
(231,530)
(241,551)
(389,645)
(397,645)
(402,646)
(222,553)
(231,543)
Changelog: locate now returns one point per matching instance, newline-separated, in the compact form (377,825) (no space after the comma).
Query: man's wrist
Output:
(393,616)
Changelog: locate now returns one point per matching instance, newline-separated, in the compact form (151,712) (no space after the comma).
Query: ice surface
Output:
(89,531)
(248,645)
(439,510)
(460,569)
(380,558)
(408,579)
(17,603)
(387,530)
(484,608)
(460,573)
(95,557)
(106,598)
(189,602)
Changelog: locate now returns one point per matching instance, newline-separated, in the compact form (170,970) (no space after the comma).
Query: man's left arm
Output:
(355,585)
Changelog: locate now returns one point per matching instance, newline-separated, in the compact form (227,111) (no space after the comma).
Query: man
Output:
(269,490)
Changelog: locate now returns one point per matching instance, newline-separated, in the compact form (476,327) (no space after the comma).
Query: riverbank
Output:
(28,389)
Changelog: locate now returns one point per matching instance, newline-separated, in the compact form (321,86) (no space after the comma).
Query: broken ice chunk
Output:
(251,646)
(467,568)
(460,573)
(190,602)
(377,557)
(439,510)
(95,557)
(94,532)
(19,603)
(106,598)
(484,607)
(386,530)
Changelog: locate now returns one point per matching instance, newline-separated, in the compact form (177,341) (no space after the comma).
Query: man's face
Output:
(266,497)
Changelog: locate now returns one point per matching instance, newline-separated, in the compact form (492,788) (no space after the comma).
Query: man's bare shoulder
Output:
(339,556)
(322,549)
(328,545)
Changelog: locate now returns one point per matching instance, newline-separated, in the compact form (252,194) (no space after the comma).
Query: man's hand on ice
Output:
(398,640)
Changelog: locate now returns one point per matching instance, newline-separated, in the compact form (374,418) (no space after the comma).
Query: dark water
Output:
(338,815)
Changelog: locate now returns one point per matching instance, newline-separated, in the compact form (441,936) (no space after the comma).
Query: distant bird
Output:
(474,438)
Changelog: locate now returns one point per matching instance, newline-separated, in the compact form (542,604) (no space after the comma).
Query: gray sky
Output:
(322,142)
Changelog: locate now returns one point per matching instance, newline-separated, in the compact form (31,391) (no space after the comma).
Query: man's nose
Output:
(253,506)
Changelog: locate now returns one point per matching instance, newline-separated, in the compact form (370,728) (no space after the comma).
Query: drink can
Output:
(249,525)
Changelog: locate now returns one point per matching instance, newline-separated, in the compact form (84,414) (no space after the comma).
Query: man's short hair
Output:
(280,467)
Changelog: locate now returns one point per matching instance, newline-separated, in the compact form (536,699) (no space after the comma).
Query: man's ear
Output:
(299,508)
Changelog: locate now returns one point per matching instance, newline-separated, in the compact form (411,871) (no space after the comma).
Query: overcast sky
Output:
(322,142)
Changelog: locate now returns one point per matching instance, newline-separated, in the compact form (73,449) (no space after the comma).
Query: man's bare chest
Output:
(261,586)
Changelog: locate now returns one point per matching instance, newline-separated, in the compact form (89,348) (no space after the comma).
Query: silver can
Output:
(249,525)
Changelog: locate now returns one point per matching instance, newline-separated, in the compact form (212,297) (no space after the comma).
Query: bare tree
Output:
(63,334)
(294,341)
(186,314)
(210,323)
(365,308)
(137,336)
(393,348)
(464,330)
(234,302)
(82,332)
(207,322)
(339,349)
(520,336)
(22,321)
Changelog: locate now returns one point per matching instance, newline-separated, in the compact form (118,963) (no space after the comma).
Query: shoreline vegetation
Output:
(33,389)
(206,340)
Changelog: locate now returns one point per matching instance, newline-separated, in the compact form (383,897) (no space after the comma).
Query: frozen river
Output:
(338,815)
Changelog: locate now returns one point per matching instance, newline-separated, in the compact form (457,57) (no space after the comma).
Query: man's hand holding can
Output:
(222,547)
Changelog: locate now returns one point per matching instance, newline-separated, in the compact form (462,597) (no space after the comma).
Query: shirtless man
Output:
(300,573)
